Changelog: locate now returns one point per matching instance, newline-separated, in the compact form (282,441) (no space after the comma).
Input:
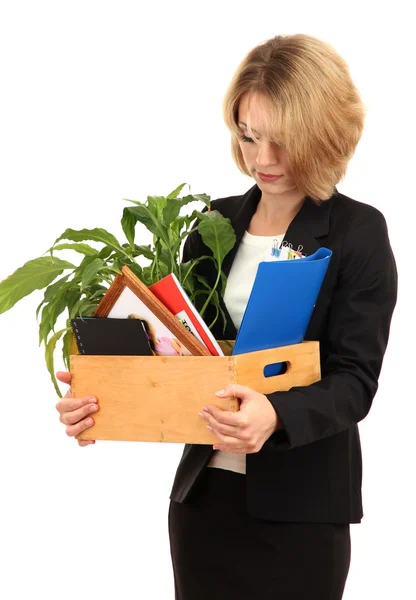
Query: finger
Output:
(68,404)
(74,416)
(230,444)
(228,430)
(64,376)
(224,430)
(73,430)
(234,389)
(226,417)
(86,442)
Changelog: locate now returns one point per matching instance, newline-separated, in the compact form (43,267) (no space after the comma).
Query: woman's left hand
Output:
(245,431)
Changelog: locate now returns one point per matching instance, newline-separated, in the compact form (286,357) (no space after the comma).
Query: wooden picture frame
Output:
(127,279)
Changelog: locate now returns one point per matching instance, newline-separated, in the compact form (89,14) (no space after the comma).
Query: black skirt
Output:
(221,552)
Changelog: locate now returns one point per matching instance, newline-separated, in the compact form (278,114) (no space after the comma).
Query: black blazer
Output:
(310,471)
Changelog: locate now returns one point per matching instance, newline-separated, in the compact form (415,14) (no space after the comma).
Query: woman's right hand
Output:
(75,413)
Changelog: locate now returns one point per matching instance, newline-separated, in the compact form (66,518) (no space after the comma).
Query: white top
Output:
(252,250)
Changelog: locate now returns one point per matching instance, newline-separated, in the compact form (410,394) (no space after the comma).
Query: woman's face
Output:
(261,156)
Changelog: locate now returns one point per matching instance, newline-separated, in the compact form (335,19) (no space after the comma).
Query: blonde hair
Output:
(317,114)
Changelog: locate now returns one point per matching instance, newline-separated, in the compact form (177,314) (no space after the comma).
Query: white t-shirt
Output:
(252,250)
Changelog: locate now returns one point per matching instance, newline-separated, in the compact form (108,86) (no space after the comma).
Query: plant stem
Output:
(211,294)
(216,317)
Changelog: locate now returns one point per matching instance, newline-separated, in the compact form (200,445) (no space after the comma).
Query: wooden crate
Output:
(157,398)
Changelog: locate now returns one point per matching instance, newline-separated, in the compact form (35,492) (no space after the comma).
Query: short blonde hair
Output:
(317,113)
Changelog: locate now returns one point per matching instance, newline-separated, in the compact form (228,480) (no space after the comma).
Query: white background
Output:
(101,101)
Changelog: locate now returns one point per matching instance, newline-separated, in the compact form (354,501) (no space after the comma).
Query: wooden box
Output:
(157,398)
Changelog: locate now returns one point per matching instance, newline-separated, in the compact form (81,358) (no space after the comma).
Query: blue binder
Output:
(281,303)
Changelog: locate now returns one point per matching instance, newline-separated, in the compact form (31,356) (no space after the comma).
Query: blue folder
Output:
(281,303)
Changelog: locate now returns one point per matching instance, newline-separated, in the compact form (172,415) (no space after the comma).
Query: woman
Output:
(163,346)
(267,516)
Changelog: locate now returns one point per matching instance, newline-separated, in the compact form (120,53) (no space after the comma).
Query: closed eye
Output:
(244,138)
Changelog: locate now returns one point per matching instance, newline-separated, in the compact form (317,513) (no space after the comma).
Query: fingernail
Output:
(200,414)
(93,408)
(92,399)
(220,392)
(88,422)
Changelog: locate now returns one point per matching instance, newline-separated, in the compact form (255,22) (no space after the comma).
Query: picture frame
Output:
(127,297)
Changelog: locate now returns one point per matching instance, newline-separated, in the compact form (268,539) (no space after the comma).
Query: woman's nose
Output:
(267,155)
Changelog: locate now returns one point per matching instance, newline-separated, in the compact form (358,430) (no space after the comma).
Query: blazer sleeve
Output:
(355,340)
(192,245)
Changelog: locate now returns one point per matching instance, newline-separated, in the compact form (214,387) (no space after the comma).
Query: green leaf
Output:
(33,275)
(75,307)
(53,289)
(49,352)
(84,264)
(44,327)
(105,252)
(171,211)
(176,192)
(150,221)
(39,307)
(73,297)
(97,235)
(51,313)
(137,270)
(134,201)
(96,291)
(90,271)
(156,204)
(164,257)
(173,208)
(146,275)
(66,344)
(217,233)
(128,223)
(142,251)
(86,308)
(81,248)
(199,198)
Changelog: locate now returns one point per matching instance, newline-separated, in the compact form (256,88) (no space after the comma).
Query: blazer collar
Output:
(309,224)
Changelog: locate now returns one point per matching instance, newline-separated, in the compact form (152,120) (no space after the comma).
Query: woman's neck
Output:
(274,214)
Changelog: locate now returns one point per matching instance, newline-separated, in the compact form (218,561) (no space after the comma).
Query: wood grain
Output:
(157,398)
(110,297)
(303,367)
(152,398)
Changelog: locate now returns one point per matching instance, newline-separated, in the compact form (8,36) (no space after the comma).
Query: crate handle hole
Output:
(275,369)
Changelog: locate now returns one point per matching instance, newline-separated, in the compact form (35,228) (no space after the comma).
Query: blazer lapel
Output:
(247,206)
(309,224)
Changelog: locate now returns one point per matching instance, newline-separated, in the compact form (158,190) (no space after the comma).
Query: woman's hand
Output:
(75,413)
(245,431)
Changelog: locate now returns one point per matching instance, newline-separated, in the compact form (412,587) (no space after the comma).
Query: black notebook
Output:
(103,335)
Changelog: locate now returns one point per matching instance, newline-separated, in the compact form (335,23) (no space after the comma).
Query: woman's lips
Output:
(268,178)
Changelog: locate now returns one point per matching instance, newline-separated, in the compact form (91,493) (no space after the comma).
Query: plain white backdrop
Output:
(101,101)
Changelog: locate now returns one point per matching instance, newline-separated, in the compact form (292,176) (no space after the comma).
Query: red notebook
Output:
(170,292)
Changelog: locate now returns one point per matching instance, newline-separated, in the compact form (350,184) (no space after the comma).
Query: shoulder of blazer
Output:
(348,211)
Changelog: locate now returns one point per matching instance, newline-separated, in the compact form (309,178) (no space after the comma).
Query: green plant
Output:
(82,287)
